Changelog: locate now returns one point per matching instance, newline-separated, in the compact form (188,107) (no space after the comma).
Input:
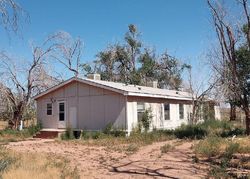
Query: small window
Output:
(167,111)
(140,110)
(181,111)
(61,112)
(49,109)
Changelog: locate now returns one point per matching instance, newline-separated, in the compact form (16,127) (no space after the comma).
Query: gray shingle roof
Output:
(129,90)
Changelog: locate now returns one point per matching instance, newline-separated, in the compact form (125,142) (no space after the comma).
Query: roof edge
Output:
(92,83)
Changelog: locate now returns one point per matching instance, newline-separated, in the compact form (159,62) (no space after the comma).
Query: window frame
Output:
(181,113)
(140,111)
(61,111)
(166,119)
(47,109)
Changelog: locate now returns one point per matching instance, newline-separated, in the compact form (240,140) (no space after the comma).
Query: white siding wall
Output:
(217,112)
(158,120)
(95,107)
(131,115)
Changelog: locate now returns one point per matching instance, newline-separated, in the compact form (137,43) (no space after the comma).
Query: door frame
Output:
(62,124)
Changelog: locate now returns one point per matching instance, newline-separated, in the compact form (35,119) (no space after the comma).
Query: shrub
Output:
(108,128)
(68,135)
(91,134)
(86,135)
(5,160)
(132,148)
(166,148)
(96,134)
(232,132)
(209,127)
(209,147)
(146,119)
(190,131)
(231,149)
(118,133)
(33,129)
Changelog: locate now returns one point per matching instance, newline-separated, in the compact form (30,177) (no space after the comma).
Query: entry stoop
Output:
(48,133)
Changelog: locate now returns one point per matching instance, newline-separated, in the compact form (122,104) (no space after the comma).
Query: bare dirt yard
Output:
(150,161)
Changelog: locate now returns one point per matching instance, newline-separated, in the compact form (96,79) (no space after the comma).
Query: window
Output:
(61,112)
(167,111)
(181,111)
(140,110)
(49,109)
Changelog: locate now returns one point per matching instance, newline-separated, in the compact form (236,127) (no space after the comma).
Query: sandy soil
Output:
(99,162)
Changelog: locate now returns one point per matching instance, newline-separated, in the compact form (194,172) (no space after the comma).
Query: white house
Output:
(92,104)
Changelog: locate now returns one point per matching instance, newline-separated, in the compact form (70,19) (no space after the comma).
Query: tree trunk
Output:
(17,116)
(232,112)
(247,120)
(245,106)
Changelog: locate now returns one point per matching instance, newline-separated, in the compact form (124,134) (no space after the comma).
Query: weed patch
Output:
(166,148)
(20,165)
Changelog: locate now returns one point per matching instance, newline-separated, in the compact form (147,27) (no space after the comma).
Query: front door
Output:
(61,115)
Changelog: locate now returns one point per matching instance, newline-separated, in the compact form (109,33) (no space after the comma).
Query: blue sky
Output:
(180,26)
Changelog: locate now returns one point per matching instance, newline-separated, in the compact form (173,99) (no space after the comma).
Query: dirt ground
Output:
(100,162)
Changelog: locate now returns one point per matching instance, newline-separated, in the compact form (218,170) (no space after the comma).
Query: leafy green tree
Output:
(131,64)
(132,38)
(169,70)
(106,61)
(148,64)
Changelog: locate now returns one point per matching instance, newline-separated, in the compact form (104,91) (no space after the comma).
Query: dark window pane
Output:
(61,107)
(167,111)
(49,109)
(61,116)
(181,111)
(139,116)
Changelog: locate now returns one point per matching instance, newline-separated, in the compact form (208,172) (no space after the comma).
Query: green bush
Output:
(33,129)
(68,135)
(118,133)
(96,134)
(209,127)
(209,147)
(233,131)
(27,132)
(146,119)
(231,149)
(91,134)
(190,131)
(108,128)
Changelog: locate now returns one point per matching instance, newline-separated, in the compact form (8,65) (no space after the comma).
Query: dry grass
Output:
(128,145)
(3,124)
(166,148)
(37,166)
(228,157)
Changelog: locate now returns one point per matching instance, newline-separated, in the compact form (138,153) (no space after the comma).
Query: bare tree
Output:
(228,36)
(11,15)
(19,81)
(68,51)
(200,93)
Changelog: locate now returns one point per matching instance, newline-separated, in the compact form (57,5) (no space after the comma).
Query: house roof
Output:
(127,90)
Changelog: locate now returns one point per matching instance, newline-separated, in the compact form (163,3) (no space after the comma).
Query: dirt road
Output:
(100,162)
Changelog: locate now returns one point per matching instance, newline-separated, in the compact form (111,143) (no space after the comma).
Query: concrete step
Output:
(46,134)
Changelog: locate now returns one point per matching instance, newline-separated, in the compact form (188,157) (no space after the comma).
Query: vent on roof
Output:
(177,92)
(139,88)
(151,83)
(94,76)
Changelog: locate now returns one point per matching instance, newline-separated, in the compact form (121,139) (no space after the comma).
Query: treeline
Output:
(130,62)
